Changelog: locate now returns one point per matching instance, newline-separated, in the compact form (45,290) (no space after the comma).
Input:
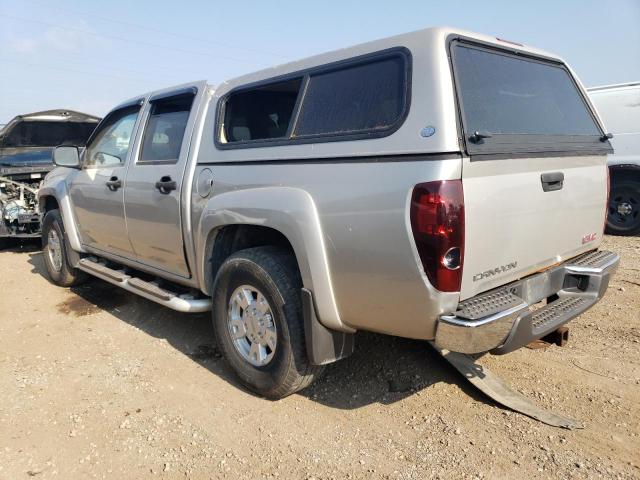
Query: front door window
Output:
(110,145)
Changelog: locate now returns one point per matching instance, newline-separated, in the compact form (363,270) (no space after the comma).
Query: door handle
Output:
(114,184)
(552,181)
(165,185)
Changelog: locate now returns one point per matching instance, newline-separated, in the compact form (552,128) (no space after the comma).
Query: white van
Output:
(619,107)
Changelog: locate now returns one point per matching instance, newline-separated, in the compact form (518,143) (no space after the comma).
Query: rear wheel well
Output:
(624,172)
(229,239)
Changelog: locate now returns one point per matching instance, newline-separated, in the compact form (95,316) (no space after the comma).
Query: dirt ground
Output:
(98,383)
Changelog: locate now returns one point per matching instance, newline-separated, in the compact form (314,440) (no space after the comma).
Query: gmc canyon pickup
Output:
(437,185)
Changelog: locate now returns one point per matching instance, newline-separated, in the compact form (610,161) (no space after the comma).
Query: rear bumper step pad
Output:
(502,320)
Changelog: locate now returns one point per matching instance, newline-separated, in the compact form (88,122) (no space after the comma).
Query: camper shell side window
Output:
(358,98)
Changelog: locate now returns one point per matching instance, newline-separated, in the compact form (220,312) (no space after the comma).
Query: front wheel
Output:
(623,217)
(257,318)
(55,252)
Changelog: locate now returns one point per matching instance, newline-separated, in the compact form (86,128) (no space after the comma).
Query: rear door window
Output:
(524,104)
(165,129)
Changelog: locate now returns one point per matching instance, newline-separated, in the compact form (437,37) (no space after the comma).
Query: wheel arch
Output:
(624,172)
(55,195)
(280,216)
(623,176)
(225,240)
(47,203)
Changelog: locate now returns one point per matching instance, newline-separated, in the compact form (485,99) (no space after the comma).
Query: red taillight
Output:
(437,221)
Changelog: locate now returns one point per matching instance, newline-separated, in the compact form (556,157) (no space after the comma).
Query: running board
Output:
(149,290)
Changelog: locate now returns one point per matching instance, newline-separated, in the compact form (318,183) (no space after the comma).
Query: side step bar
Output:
(181,303)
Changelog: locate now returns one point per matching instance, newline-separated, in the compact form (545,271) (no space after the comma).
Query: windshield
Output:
(48,134)
(504,94)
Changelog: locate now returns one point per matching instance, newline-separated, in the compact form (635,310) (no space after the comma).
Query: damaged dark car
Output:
(26,149)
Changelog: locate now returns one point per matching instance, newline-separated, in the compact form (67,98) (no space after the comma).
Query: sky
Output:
(89,56)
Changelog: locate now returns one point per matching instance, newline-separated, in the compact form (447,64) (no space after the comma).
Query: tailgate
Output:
(514,227)
(535,177)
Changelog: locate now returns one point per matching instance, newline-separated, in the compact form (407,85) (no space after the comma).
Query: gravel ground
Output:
(97,383)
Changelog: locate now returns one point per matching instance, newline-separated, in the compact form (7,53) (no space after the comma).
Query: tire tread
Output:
(280,267)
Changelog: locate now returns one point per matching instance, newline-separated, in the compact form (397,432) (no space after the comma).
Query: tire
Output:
(623,217)
(53,243)
(273,274)
(5,243)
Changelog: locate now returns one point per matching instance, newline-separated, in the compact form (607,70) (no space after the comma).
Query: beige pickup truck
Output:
(437,185)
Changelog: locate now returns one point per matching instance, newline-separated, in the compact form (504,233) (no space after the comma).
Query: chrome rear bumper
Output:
(503,320)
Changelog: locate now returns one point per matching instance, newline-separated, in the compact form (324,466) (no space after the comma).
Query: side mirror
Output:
(66,157)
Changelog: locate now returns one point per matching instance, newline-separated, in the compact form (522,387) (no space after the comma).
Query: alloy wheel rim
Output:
(251,325)
(54,249)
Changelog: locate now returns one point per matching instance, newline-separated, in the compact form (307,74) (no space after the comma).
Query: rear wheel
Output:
(623,217)
(257,317)
(55,253)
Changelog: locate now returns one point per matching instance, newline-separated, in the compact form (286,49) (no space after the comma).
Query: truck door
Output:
(97,190)
(152,195)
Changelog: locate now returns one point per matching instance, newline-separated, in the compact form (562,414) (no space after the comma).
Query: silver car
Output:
(437,185)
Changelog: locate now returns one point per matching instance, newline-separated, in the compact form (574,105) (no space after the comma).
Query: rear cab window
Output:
(510,102)
(364,97)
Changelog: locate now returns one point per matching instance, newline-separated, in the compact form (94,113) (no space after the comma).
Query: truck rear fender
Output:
(292,213)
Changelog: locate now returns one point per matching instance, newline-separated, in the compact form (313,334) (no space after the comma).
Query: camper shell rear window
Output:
(514,103)
(363,97)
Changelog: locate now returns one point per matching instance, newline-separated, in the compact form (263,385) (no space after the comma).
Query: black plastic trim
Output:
(552,181)
(323,345)
(401,52)
(547,154)
(174,93)
(131,103)
(413,157)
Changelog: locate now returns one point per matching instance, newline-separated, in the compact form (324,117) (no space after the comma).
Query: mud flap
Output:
(496,389)
(324,346)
